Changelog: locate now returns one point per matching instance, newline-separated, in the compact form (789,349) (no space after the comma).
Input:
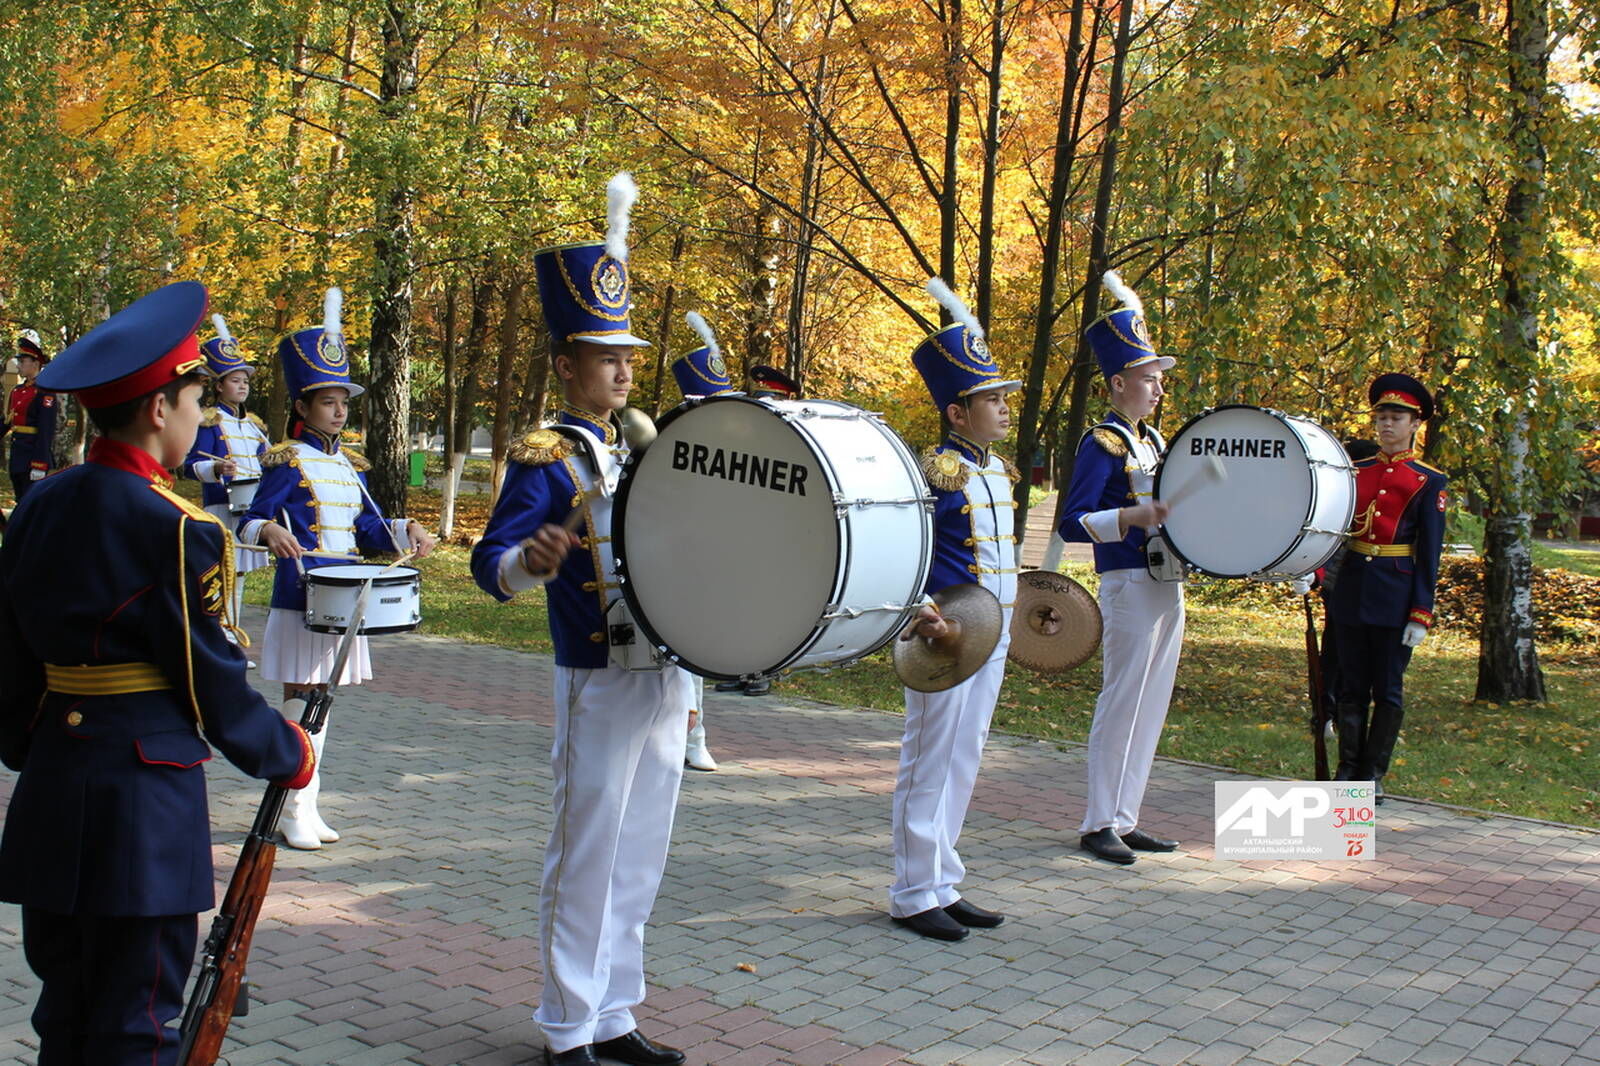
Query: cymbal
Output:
(1055,626)
(935,665)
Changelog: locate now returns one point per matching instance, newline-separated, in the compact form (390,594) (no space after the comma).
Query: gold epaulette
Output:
(1111,441)
(360,463)
(541,448)
(279,453)
(944,470)
(188,507)
(255,420)
(1011,470)
(210,416)
(1430,466)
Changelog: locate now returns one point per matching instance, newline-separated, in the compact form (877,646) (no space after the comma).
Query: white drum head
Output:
(726,537)
(1246,522)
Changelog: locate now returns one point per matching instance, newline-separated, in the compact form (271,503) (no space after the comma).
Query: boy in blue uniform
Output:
(121,666)
(617,760)
(1382,604)
(1110,503)
(32,419)
(974,543)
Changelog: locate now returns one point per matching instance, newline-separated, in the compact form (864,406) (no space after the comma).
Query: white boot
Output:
(301,825)
(695,754)
(324,831)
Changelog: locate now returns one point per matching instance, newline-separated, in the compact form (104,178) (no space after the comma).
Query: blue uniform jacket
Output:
(284,487)
(1400,500)
(1101,481)
(33,428)
(103,565)
(541,486)
(212,439)
(958,558)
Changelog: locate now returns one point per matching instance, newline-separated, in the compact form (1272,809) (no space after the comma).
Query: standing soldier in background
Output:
(31,418)
(1382,604)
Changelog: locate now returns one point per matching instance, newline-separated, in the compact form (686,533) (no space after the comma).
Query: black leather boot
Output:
(1381,738)
(1352,719)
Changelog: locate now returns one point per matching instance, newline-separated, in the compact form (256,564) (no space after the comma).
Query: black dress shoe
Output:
(976,917)
(1139,840)
(582,1055)
(729,686)
(635,1048)
(1107,845)
(934,924)
(758,688)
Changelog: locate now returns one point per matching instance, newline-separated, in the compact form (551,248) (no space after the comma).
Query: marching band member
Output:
(1382,604)
(312,509)
(701,372)
(32,421)
(974,541)
(617,760)
(238,437)
(113,600)
(1110,504)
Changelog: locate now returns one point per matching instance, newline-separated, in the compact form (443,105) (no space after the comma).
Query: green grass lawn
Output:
(1239,702)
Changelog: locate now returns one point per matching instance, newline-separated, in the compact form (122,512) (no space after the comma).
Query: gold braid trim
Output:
(278,454)
(1011,470)
(944,470)
(541,448)
(360,463)
(255,420)
(210,416)
(1111,442)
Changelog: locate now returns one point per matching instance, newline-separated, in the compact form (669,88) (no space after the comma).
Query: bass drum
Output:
(1282,510)
(758,535)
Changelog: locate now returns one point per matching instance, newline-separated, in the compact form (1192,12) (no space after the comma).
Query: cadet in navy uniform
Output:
(1382,604)
(617,760)
(113,601)
(702,372)
(312,504)
(32,419)
(1110,505)
(236,435)
(974,542)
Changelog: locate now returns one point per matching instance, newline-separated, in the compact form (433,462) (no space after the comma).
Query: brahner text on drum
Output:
(779,475)
(1246,447)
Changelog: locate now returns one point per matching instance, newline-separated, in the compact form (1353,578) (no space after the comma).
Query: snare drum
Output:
(1284,506)
(393,606)
(757,535)
(241,491)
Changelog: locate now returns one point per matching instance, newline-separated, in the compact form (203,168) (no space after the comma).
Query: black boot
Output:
(1381,738)
(1352,719)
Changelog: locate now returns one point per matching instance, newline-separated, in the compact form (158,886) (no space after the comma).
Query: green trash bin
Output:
(419,462)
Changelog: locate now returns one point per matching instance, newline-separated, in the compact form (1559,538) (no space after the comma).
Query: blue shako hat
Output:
(1120,339)
(702,372)
(955,361)
(316,358)
(584,287)
(222,351)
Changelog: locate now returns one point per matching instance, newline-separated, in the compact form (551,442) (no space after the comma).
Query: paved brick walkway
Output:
(414,940)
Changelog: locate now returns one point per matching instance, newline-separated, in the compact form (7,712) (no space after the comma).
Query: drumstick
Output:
(1211,469)
(320,555)
(289,528)
(214,458)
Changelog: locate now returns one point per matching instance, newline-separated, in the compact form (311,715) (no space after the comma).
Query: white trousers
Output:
(939,756)
(1143,635)
(617,762)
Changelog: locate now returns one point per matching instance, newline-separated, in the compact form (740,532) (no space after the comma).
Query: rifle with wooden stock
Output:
(220,993)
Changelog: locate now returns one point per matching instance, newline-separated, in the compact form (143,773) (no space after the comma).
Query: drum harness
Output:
(1160,561)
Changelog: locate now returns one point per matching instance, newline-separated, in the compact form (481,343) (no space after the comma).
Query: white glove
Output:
(1301,585)
(37,475)
(1413,635)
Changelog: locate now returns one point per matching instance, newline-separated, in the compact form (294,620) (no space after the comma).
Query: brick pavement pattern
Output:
(414,939)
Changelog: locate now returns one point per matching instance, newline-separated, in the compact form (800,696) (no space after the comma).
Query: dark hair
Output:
(120,416)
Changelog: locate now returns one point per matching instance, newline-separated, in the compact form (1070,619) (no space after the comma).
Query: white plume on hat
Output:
(952,303)
(222,327)
(1121,291)
(332,305)
(621,193)
(702,327)
(31,337)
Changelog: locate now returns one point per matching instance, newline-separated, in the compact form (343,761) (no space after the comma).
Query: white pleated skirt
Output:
(244,561)
(295,655)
